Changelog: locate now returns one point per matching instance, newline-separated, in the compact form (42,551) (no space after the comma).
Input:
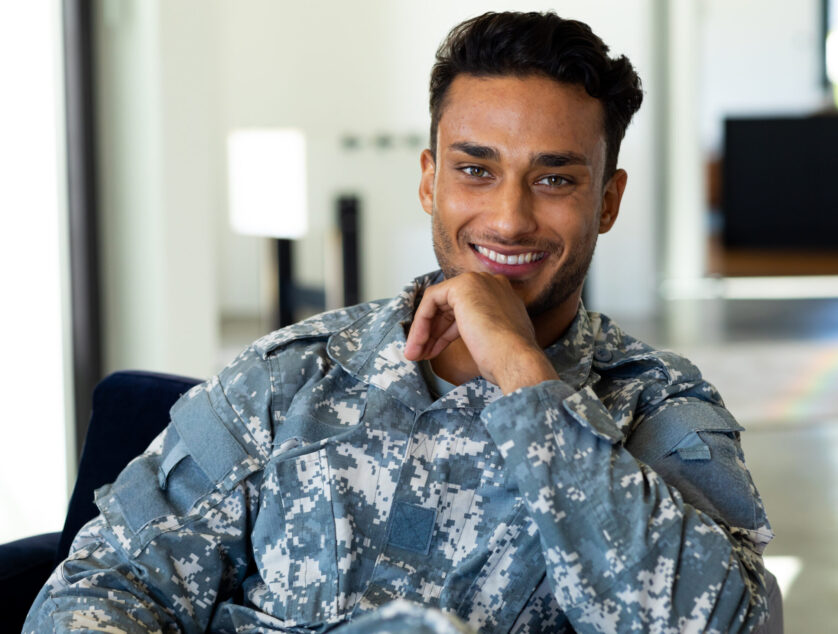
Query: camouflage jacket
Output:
(315,484)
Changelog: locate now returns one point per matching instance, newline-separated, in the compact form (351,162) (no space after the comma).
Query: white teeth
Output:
(522,258)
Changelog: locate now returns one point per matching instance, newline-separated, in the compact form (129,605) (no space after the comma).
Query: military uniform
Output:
(316,483)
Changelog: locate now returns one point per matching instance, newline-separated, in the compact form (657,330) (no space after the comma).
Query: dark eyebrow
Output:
(544,159)
(559,159)
(484,152)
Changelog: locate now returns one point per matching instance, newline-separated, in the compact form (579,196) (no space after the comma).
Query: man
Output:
(479,453)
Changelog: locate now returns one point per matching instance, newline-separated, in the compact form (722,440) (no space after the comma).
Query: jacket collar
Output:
(372,350)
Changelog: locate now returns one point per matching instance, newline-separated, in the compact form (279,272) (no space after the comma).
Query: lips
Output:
(510,259)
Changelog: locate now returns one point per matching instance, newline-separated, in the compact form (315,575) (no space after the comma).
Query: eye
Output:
(475,170)
(554,180)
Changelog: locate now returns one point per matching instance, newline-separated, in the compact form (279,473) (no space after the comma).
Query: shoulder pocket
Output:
(200,462)
(677,428)
(213,447)
(694,447)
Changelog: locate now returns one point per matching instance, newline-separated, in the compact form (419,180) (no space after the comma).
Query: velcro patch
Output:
(411,527)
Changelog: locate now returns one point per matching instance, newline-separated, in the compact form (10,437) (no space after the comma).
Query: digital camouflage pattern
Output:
(316,485)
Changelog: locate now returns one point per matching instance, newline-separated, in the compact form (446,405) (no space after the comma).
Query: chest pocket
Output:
(508,576)
(294,537)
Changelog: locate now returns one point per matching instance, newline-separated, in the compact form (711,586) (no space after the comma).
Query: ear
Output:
(611,197)
(426,183)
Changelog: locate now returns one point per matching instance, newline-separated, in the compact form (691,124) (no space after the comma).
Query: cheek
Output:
(569,222)
(585,216)
(456,208)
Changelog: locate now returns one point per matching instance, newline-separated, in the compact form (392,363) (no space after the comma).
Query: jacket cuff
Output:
(528,414)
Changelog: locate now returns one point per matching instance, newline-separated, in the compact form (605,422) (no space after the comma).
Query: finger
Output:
(432,337)
(427,326)
(441,322)
(445,338)
(443,331)
(420,329)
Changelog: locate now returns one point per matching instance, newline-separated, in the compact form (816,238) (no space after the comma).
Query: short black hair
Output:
(522,44)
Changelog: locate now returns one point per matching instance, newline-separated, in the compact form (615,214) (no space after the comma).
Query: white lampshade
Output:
(267,182)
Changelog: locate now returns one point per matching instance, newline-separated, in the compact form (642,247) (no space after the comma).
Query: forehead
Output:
(527,114)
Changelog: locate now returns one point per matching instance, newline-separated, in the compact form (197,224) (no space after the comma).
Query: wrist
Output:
(527,368)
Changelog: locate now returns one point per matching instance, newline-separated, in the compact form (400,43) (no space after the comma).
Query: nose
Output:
(513,214)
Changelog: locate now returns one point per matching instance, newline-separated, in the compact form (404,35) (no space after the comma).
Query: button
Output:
(603,354)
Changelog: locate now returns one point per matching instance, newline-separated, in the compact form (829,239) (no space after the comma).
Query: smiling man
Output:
(479,453)
(520,193)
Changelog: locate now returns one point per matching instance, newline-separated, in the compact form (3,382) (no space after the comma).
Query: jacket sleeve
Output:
(171,541)
(662,531)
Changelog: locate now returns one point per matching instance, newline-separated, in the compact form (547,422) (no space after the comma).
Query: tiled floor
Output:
(796,471)
(756,352)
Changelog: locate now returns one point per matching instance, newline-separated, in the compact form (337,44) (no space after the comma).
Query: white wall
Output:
(159,162)
(757,57)
(684,213)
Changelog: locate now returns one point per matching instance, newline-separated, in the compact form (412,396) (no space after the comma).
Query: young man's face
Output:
(517,185)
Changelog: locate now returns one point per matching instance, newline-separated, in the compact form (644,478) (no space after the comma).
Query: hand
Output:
(484,311)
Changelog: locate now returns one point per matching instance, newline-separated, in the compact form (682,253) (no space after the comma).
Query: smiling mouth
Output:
(511,259)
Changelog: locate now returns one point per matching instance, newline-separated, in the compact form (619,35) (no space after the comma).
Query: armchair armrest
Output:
(25,565)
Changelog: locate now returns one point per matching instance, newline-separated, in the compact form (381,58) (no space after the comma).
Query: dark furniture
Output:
(779,189)
(130,409)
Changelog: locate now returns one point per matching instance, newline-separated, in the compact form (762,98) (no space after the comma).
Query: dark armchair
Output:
(130,409)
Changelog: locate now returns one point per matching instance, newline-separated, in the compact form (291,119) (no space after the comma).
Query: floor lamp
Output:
(267,197)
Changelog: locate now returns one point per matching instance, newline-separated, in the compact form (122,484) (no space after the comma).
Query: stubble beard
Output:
(565,282)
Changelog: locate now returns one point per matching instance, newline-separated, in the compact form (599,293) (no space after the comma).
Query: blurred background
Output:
(151,152)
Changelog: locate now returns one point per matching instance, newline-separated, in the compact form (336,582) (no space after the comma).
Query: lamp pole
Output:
(285,276)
